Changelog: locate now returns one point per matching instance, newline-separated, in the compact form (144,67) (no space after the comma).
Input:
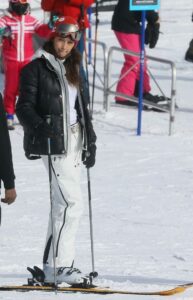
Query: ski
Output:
(37,283)
(148,105)
(96,290)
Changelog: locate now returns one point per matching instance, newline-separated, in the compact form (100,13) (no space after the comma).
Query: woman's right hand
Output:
(10,196)
(45,130)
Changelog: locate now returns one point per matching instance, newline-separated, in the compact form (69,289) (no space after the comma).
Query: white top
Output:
(72,91)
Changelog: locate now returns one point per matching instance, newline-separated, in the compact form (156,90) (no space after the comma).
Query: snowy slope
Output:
(141,187)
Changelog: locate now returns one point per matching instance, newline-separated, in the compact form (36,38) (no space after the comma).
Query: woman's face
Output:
(63,46)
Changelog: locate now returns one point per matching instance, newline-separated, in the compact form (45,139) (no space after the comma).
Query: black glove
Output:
(88,156)
(44,130)
(6,32)
(152,34)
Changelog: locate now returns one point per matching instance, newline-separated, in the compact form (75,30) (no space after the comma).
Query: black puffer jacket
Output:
(40,95)
(127,21)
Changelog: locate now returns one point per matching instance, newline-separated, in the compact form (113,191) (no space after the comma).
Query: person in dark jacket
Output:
(53,112)
(6,164)
(189,52)
(127,27)
(74,8)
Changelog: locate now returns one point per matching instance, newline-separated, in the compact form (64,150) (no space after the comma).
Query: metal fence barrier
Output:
(109,91)
(102,79)
(107,86)
(104,5)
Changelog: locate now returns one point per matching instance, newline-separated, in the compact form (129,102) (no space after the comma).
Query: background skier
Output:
(189,52)
(127,28)
(74,8)
(17,28)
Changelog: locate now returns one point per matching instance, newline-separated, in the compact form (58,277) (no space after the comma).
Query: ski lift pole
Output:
(142,55)
(90,36)
(95,53)
(0,200)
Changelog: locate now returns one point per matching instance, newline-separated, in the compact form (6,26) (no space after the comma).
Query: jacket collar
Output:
(11,15)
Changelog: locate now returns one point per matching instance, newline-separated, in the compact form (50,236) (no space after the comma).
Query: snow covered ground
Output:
(142,188)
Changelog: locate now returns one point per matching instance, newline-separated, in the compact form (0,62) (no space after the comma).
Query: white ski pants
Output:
(66,202)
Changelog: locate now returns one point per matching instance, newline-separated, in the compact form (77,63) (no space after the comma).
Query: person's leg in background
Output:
(12,71)
(131,66)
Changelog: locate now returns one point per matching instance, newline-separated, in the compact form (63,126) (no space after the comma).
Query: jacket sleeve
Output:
(48,5)
(2,24)
(91,135)
(6,164)
(28,96)
(41,29)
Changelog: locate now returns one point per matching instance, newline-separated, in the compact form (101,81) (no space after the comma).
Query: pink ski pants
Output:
(126,84)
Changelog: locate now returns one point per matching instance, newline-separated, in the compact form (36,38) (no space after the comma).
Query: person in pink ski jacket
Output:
(17,28)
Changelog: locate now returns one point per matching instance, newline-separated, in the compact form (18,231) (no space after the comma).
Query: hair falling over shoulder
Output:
(72,63)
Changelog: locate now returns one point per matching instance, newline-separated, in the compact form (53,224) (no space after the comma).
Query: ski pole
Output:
(0,200)
(93,273)
(51,204)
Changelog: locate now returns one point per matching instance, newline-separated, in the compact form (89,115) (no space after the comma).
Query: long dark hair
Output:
(72,63)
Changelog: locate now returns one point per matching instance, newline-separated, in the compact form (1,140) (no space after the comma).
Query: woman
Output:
(52,108)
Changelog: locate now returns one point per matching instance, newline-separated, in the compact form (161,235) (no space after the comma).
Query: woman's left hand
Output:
(88,156)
